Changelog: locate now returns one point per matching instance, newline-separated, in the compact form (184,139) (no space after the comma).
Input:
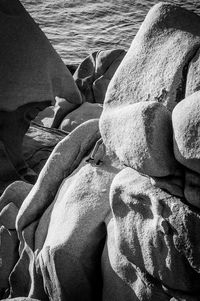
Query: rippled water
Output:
(79,27)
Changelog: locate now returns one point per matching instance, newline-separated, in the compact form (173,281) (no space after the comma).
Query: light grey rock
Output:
(141,136)
(185,120)
(83,113)
(95,72)
(153,245)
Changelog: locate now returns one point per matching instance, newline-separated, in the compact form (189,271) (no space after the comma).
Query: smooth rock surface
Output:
(8,216)
(185,121)
(153,244)
(70,235)
(52,116)
(154,65)
(192,188)
(94,74)
(141,136)
(83,113)
(30,69)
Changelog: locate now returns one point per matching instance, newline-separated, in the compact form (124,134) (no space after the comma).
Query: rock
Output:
(94,74)
(153,244)
(141,136)
(68,258)
(185,121)
(192,188)
(8,216)
(52,116)
(85,112)
(16,192)
(29,73)
(8,256)
(38,144)
(153,68)
(65,157)
(20,299)
(193,73)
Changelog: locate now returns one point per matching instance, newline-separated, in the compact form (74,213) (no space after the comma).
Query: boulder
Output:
(141,136)
(30,69)
(85,112)
(8,256)
(52,116)
(71,232)
(31,75)
(38,143)
(193,73)
(155,66)
(185,121)
(153,246)
(192,187)
(8,216)
(65,157)
(94,74)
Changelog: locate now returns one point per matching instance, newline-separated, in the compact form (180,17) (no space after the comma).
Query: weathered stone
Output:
(185,121)
(16,192)
(65,157)
(8,216)
(30,70)
(141,136)
(8,256)
(85,112)
(38,144)
(69,256)
(192,187)
(154,65)
(153,244)
(94,74)
(193,74)
(52,116)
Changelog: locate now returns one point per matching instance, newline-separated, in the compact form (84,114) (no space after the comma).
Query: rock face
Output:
(77,215)
(83,113)
(94,74)
(185,118)
(141,136)
(36,72)
(151,246)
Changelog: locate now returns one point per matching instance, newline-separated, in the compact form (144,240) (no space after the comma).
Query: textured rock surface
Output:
(37,73)
(185,120)
(94,74)
(153,243)
(141,136)
(38,144)
(70,235)
(8,256)
(153,67)
(65,157)
(85,112)
(193,73)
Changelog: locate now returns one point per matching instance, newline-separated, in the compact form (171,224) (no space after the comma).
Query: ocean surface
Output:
(78,27)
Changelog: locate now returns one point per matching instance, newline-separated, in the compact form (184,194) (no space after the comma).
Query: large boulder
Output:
(142,138)
(30,69)
(31,75)
(61,223)
(155,66)
(152,244)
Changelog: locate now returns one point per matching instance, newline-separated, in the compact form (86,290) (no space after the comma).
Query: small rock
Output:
(8,216)
(85,112)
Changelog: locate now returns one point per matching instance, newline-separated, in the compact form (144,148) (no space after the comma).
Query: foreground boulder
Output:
(152,245)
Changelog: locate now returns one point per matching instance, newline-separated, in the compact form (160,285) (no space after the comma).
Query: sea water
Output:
(76,28)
